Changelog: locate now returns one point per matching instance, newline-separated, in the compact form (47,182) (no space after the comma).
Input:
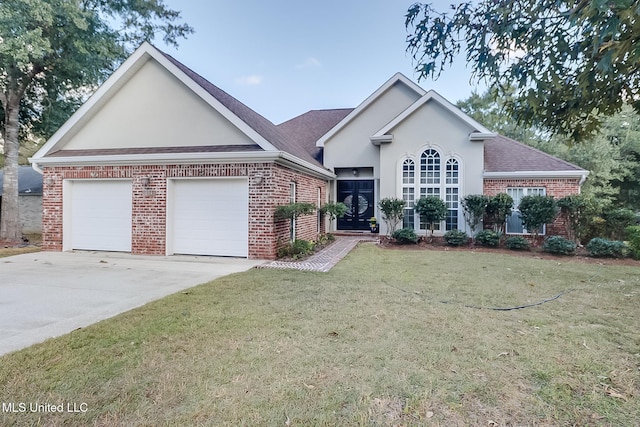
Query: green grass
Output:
(386,338)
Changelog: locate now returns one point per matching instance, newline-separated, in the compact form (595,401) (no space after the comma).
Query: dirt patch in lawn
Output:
(581,255)
(29,243)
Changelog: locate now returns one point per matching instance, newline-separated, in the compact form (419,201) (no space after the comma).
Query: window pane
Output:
(452,172)
(408,221)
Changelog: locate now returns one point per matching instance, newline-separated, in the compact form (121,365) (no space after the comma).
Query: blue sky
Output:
(284,57)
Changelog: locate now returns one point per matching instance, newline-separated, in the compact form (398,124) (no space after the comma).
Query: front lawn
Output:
(387,338)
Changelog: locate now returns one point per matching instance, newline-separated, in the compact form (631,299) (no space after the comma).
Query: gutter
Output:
(184,158)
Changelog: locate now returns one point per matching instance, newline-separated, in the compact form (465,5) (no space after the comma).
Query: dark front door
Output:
(358,196)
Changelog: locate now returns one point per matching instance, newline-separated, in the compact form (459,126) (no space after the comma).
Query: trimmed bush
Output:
(405,236)
(297,249)
(633,236)
(517,243)
(558,245)
(488,238)
(456,237)
(603,248)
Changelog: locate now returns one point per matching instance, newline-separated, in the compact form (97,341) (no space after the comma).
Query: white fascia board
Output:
(481,136)
(158,158)
(184,158)
(382,139)
(303,166)
(432,95)
(398,77)
(536,174)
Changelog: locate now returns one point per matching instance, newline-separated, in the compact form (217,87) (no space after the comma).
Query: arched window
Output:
(408,191)
(452,193)
(437,176)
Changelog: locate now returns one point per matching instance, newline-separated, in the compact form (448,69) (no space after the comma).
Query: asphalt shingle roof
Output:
(502,154)
(307,128)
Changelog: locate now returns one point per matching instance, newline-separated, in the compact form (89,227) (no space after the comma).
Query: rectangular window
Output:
(452,202)
(514,222)
(408,195)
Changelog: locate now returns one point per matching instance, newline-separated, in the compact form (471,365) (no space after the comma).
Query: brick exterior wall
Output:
(556,187)
(149,202)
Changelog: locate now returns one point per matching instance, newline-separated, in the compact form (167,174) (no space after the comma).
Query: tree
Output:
(474,206)
(334,210)
(568,60)
(612,155)
(291,212)
(536,211)
(392,212)
(498,210)
(432,209)
(53,54)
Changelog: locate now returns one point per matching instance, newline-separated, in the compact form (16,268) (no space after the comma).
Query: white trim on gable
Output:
(121,76)
(430,95)
(397,78)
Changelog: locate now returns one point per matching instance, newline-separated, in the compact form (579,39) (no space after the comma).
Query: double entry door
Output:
(358,195)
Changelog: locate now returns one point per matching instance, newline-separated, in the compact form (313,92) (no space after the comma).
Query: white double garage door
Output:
(204,216)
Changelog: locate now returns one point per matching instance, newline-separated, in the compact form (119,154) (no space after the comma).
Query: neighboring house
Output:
(29,199)
(161,161)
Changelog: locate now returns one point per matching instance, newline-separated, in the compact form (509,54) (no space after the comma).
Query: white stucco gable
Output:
(347,144)
(150,102)
(384,133)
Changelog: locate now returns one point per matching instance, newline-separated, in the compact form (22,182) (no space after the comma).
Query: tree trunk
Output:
(10,215)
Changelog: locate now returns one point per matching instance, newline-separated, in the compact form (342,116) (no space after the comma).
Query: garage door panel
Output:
(210,217)
(101,215)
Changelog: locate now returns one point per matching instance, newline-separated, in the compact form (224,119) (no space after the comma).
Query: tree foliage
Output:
(432,209)
(569,61)
(536,211)
(474,206)
(392,212)
(53,54)
(498,208)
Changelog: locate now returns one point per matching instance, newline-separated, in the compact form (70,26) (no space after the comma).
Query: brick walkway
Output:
(325,259)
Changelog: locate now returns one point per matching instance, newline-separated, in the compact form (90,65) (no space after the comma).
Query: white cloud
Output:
(249,80)
(309,63)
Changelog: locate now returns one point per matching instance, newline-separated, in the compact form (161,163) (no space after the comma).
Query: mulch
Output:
(581,255)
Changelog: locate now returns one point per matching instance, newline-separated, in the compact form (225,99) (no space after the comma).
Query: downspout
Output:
(35,167)
(583,178)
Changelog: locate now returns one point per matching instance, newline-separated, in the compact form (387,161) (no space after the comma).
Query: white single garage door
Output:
(210,217)
(100,215)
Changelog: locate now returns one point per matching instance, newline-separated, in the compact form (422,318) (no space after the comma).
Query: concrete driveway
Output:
(48,294)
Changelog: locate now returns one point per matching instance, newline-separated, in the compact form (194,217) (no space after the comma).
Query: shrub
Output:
(599,247)
(488,238)
(498,209)
(392,212)
(456,237)
(474,206)
(617,220)
(633,236)
(537,211)
(558,245)
(334,210)
(517,243)
(293,210)
(405,236)
(432,209)
(296,249)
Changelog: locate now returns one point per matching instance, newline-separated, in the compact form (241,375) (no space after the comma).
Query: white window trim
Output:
(442,186)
